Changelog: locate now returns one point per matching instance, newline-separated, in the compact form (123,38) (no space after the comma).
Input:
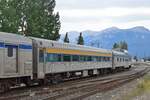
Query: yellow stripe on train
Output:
(76,52)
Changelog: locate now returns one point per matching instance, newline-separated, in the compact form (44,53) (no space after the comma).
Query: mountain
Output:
(138,39)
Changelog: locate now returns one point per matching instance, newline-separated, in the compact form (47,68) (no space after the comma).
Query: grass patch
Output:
(142,87)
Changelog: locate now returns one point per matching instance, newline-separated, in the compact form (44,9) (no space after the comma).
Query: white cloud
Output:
(101,13)
(94,4)
(105,14)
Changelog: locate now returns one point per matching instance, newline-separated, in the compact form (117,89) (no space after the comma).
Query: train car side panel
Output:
(1,57)
(58,67)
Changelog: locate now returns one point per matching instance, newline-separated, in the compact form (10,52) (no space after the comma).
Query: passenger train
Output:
(31,60)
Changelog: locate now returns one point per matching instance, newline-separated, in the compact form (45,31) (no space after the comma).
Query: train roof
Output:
(56,44)
(119,53)
(14,38)
(17,38)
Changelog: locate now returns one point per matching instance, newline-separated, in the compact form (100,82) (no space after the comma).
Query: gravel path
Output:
(117,93)
(121,92)
(143,97)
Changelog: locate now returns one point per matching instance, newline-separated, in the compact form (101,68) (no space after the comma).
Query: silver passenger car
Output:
(55,57)
(121,59)
(15,60)
(28,60)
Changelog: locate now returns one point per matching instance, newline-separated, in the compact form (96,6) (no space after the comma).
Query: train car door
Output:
(11,59)
(41,65)
(113,61)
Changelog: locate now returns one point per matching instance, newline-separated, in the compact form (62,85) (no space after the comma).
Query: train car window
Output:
(10,51)
(82,58)
(41,56)
(117,59)
(66,58)
(49,57)
(120,59)
(94,58)
(89,58)
(104,59)
(59,57)
(108,58)
(53,58)
(75,58)
(99,59)
(85,58)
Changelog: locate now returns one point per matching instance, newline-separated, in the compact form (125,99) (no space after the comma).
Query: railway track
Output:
(76,90)
(95,87)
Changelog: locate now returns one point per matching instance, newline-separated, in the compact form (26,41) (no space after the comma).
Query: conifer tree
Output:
(66,39)
(80,39)
(30,17)
(121,45)
(115,45)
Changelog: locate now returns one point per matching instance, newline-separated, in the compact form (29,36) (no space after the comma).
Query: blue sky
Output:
(79,15)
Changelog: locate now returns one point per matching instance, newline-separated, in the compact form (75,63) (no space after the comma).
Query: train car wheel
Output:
(56,79)
(4,87)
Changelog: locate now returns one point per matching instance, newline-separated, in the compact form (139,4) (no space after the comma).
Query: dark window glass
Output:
(99,59)
(94,58)
(50,57)
(117,59)
(41,56)
(89,58)
(66,58)
(82,58)
(53,57)
(10,52)
(85,58)
(59,57)
(108,59)
(103,59)
(75,58)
